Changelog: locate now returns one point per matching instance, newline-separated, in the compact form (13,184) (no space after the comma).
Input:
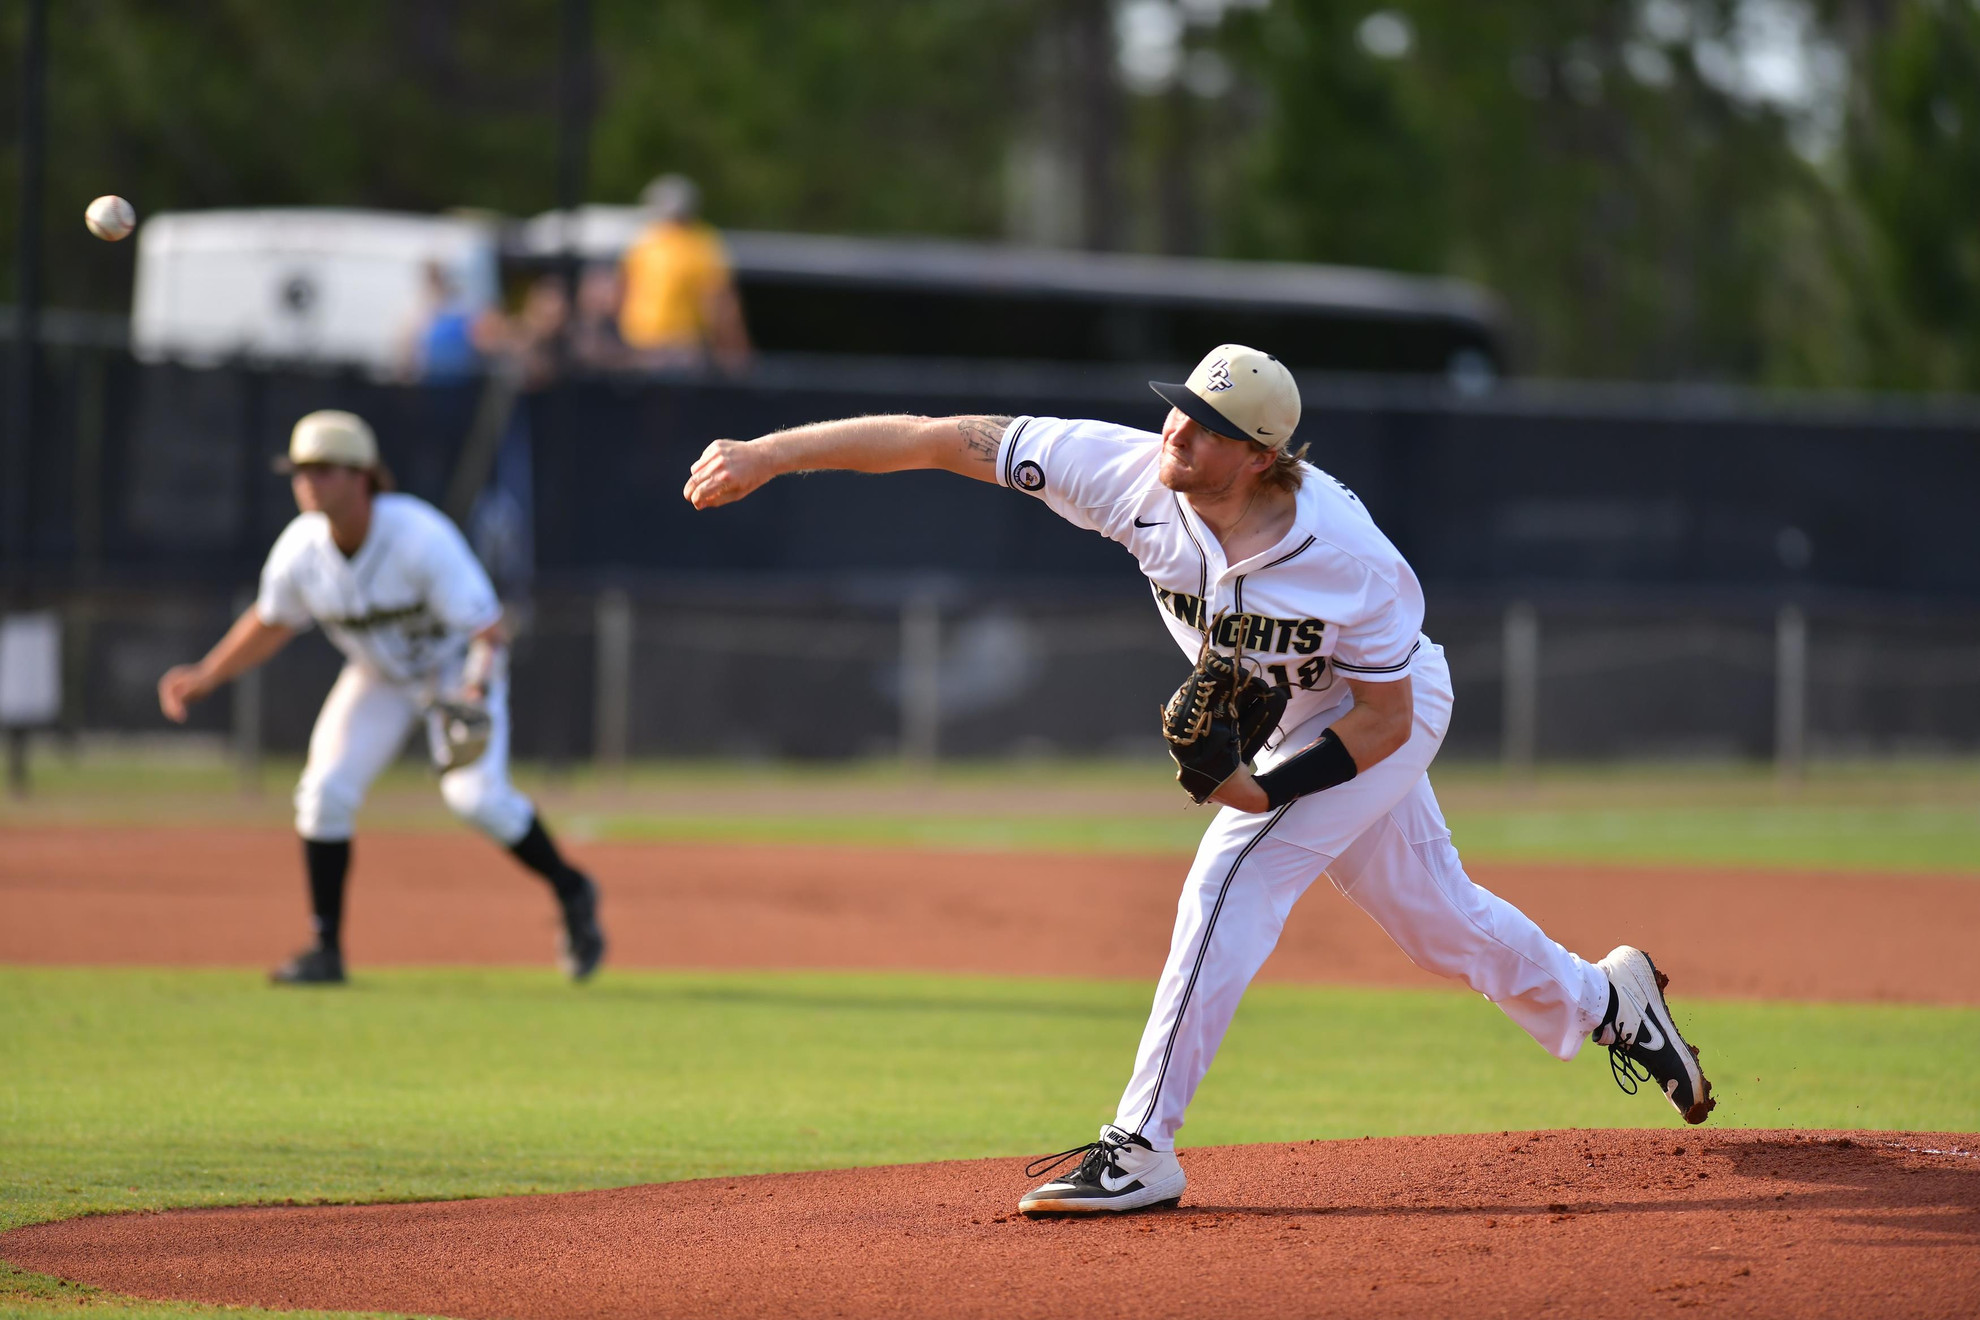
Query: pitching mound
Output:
(1544,1223)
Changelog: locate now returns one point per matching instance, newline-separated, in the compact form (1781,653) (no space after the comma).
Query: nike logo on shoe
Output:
(1159,522)
(1648,1036)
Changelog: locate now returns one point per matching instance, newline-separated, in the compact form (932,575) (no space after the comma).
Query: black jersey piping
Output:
(1396,668)
(1294,553)
(1202,948)
(1202,556)
(1010,452)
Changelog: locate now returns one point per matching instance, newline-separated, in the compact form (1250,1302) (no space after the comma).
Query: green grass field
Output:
(125,1089)
(1885,816)
(143,1089)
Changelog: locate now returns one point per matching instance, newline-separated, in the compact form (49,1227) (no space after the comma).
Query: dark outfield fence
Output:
(1615,572)
(751,667)
(160,473)
(1604,491)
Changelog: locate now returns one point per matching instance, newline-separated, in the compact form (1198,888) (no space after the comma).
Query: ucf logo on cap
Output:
(1255,397)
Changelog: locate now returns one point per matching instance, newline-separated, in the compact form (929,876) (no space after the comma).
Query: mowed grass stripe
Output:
(1919,816)
(1929,839)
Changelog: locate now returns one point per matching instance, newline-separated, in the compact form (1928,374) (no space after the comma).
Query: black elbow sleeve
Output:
(1321,766)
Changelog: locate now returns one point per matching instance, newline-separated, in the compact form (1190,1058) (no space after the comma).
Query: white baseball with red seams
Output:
(1333,599)
(110,218)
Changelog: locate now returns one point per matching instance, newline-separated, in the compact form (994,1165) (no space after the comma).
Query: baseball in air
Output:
(110,218)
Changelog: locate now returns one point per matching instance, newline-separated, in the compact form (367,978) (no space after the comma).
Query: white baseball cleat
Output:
(1121,1171)
(1642,1038)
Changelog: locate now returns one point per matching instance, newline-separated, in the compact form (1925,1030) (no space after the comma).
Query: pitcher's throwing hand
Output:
(726,471)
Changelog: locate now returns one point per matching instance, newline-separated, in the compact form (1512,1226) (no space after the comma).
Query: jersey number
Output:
(1309,673)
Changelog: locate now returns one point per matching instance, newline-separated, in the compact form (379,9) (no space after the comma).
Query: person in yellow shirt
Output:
(680,301)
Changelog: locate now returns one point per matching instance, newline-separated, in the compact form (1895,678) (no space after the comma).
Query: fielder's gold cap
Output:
(330,435)
(1238,392)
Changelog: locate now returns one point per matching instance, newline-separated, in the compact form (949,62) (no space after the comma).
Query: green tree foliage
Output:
(1595,162)
(1914,159)
(1346,162)
(879,116)
(889,116)
(1623,205)
(407,104)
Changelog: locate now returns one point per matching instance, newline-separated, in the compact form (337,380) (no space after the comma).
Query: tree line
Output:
(1779,192)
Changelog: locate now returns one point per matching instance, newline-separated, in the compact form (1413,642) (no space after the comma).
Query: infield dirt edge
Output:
(1742,1221)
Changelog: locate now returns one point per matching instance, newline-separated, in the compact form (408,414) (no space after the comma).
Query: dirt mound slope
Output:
(1528,1223)
(234,896)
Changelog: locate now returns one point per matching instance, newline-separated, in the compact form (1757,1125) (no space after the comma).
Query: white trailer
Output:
(321,286)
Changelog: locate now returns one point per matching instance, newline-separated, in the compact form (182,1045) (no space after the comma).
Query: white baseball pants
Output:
(1383,841)
(362,726)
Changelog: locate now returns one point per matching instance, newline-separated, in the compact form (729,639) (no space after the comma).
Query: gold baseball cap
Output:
(332,436)
(1238,392)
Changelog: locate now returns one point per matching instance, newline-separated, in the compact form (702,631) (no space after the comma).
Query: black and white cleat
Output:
(1642,1038)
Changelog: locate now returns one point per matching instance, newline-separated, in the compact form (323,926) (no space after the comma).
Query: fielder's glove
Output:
(464,731)
(1217,720)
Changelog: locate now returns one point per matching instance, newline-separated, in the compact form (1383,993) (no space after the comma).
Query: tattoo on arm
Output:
(981,436)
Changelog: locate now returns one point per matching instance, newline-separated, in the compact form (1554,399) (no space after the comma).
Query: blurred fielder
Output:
(1305,625)
(400,594)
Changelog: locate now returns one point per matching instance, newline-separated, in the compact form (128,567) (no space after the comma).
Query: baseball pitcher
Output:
(395,587)
(1311,666)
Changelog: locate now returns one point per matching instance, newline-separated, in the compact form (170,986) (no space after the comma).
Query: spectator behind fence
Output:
(680,303)
(448,340)
(596,343)
(528,339)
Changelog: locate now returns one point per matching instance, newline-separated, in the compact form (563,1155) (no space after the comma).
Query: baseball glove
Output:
(1217,720)
(464,731)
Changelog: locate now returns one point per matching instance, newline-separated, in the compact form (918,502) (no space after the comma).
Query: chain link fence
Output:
(942,669)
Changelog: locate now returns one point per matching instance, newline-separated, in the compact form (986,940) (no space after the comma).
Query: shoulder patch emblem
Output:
(1220,376)
(1028,476)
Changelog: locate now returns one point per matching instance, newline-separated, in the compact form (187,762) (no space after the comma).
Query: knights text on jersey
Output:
(404,605)
(1333,599)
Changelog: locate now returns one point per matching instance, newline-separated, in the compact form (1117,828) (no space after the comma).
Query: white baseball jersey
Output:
(403,607)
(1332,599)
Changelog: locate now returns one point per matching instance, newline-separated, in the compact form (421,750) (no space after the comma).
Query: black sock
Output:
(327,864)
(536,851)
(1609,1017)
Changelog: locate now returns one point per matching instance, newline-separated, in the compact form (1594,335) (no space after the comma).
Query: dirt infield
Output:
(1549,1223)
(1552,1223)
(234,896)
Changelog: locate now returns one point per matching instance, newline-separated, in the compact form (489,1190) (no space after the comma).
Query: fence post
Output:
(1790,691)
(921,683)
(247,717)
(612,715)
(30,685)
(17,762)
(1520,691)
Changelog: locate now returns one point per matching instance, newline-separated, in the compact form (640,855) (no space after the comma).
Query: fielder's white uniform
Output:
(1330,601)
(402,610)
